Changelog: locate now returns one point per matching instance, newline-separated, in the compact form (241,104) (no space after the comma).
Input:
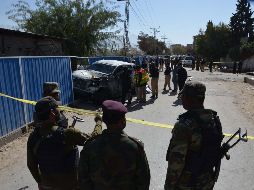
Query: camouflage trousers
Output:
(204,182)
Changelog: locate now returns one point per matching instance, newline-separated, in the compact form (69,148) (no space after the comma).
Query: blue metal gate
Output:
(23,77)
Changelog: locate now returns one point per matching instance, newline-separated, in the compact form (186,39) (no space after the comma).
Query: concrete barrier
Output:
(249,80)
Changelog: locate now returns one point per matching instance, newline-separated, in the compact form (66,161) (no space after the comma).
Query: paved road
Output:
(235,174)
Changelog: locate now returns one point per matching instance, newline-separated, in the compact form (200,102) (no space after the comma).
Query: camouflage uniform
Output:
(113,161)
(52,89)
(67,139)
(59,180)
(185,144)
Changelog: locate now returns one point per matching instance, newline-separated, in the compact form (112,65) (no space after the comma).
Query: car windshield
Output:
(188,58)
(103,68)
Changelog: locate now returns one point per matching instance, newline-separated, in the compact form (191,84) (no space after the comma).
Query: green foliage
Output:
(150,45)
(178,49)
(234,53)
(247,50)
(213,42)
(83,24)
(241,23)
(242,36)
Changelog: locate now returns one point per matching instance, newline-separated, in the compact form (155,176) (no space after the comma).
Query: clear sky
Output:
(179,20)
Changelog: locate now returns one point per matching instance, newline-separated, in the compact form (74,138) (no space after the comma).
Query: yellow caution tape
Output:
(19,99)
(88,112)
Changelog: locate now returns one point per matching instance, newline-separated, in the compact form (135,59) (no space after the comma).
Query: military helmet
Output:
(50,88)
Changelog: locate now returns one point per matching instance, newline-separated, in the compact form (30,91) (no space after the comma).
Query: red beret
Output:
(110,106)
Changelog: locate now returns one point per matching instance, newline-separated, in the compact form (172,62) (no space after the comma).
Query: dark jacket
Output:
(113,161)
(154,71)
(182,74)
(126,79)
(53,150)
(167,71)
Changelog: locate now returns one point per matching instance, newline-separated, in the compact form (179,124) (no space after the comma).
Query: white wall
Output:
(248,64)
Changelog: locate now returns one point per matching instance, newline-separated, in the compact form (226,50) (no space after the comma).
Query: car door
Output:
(116,83)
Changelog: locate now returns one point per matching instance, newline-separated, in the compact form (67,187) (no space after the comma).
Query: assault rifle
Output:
(227,146)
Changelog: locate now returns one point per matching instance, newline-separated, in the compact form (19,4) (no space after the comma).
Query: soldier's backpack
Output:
(209,156)
(52,153)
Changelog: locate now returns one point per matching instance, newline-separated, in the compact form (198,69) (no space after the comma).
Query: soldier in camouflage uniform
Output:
(194,150)
(113,160)
(52,153)
(52,89)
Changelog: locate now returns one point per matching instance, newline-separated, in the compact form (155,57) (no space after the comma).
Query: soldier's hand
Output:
(97,117)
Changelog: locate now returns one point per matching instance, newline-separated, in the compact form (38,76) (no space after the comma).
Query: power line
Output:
(152,10)
(149,12)
(138,18)
(140,13)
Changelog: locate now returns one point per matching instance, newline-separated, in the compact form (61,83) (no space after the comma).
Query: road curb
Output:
(249,80)
(13,135)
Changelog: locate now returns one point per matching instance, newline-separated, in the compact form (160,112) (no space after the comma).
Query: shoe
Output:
(142,101)
(152,97)
(164,89)
(170,88)
(156,96)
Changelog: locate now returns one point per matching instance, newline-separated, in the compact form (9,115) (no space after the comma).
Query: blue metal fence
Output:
(23,78)
(12,112)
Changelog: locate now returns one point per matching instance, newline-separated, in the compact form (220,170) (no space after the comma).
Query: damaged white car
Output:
(101,80)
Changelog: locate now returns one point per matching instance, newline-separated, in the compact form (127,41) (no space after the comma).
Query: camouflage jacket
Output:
(186,138)
(72,137)
(113,161)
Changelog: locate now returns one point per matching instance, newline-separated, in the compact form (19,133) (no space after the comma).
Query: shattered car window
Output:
(103,68)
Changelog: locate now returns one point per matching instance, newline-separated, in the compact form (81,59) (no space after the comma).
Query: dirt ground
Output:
(243,96)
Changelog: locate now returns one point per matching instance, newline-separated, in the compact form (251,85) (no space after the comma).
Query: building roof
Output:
(28,34)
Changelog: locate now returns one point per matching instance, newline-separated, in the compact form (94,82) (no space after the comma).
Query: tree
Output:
(178,49)
(241,25)
(213,43)
(83,24)
(247,50)
(150,45)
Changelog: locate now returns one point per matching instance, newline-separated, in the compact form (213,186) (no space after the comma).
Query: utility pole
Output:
(164,38)
(155,31)
(126,40)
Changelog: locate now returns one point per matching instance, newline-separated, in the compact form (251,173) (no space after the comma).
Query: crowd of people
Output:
(149,71)
(111,159)
(146,76)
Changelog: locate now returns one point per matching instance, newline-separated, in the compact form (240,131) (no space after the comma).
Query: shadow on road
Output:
(165,91)
(172,93)
(88,105)
(135,105)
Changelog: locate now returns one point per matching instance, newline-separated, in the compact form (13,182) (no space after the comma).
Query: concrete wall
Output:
(248,64)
